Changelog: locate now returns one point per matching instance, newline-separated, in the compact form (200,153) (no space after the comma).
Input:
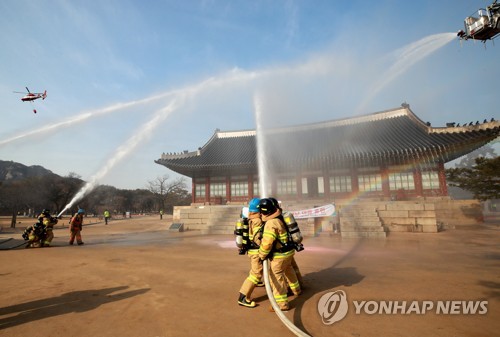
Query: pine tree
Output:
(482,179)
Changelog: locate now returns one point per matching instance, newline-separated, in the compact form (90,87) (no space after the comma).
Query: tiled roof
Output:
(392,137)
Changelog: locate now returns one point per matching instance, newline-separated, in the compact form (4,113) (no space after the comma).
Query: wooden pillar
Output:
(228,188)
(193,190)
(354,180)
(326,182)
(417,178)
(443,189)
(298,182)
(274,188)
(250,187)
(207,189)
(384,172)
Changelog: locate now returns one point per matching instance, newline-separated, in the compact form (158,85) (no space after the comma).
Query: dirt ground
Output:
(134,277)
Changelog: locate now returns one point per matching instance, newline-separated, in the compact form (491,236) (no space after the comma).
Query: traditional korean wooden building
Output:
(389,154)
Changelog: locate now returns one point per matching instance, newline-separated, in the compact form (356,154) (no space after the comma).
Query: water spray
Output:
(263,184)
(261,149)
(84,116)
(124,150)
(179,97)
(405,58)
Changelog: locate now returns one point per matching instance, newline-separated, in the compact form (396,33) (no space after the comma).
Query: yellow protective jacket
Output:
(254,231)
(48,221)
(274,232)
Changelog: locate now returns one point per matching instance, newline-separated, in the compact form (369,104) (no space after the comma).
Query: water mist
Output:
(139,136)
(405,58)
(263,168)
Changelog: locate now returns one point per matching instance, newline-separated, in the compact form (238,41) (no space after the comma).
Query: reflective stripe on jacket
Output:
(255,224)
(48,221)
(274,233)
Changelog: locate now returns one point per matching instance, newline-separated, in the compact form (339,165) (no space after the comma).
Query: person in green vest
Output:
(107,216)
(161,214)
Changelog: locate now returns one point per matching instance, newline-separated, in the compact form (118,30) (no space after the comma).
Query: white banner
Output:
(317,212)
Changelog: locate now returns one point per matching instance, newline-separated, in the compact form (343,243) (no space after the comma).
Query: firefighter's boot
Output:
(242,300)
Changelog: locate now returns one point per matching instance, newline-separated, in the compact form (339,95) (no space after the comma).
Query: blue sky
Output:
(113,69)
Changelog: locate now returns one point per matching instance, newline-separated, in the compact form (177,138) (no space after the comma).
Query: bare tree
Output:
(11,199)
(60,190)
(31,193)
(163,188)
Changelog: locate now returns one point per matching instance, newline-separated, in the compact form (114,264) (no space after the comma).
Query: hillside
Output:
(12,171)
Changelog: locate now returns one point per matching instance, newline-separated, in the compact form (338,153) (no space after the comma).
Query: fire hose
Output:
(275,306)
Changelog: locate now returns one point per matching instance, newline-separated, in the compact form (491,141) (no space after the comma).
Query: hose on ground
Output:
(13,247)
(275,306)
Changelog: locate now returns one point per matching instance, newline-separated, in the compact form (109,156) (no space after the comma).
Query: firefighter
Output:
(49,222)
(294,263)
(274,246)
(35,235)
(75,227)
(254,278)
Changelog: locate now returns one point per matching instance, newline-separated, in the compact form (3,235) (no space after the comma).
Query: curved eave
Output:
(391,137)
(209,169)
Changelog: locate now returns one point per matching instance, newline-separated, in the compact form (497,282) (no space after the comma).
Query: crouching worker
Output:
(255,275)
(75,227)
(275,246)
(35,235)
(49,222)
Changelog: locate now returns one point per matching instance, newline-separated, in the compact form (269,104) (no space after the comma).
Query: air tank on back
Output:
(293,227)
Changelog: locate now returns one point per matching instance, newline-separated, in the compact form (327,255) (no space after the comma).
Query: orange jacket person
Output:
(75,227)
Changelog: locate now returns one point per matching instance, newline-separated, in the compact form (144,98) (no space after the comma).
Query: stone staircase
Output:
(360,221)
(223,220)
(208,219)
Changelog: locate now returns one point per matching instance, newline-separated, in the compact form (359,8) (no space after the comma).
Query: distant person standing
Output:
(106,216)
(76,225)
(161,214)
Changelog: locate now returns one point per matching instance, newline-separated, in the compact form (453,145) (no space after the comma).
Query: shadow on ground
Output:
(326,279)
(75,301)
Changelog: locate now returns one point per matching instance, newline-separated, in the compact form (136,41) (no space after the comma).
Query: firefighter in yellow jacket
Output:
(274,246)
(254,278)
(75,227)
(295,266)
(49,222)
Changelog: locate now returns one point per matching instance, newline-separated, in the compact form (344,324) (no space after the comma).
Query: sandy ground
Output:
(134,277)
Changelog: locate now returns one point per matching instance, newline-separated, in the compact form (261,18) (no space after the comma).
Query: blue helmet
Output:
(253,205)
(81,211)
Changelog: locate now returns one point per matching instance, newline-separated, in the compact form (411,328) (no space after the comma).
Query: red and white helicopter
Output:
(31,96)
